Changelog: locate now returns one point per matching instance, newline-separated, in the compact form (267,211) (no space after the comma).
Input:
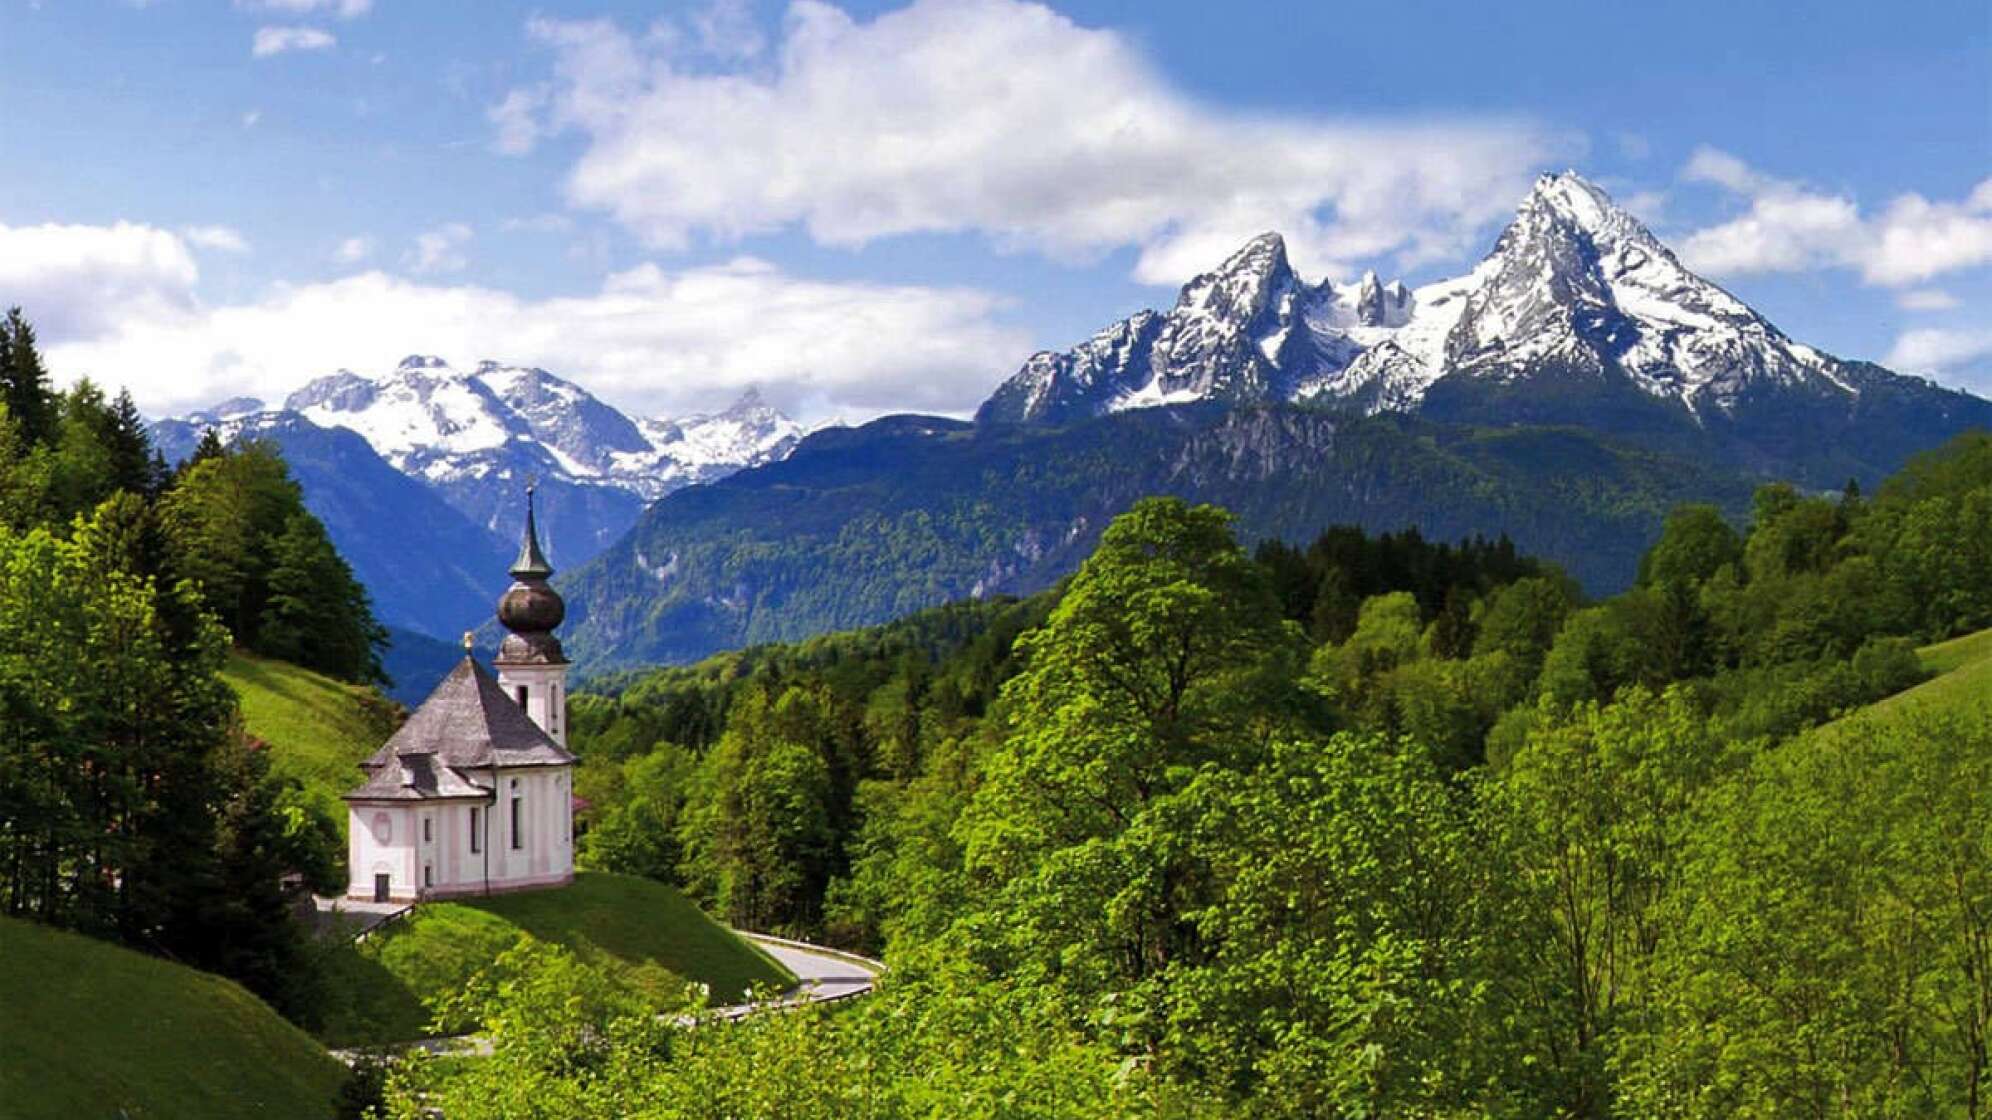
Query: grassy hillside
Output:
(318,729)
(88,1029)
(644,932)
(1964,668)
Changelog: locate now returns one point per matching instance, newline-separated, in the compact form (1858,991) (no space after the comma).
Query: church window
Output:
(428,875)
(518,817)
(476,831)
(522,696)
(428,834)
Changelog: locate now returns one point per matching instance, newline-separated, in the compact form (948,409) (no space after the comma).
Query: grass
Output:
(89,1029)
(646,934)
(1964,679)
(318,729)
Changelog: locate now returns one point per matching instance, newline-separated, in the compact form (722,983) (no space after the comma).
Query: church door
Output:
(380,888)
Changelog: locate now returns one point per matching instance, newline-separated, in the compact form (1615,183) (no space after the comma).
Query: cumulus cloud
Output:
(1791,227)
(80,280)
(118,303)
(1003,118)
(344,9)
(220,239)
(440,249)
(1942,351)
(279,40)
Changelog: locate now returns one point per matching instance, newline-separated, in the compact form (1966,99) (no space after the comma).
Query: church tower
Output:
(531,665)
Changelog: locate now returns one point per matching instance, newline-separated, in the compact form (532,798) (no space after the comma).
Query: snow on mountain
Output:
(476,437)
(1575,284)
(432,420)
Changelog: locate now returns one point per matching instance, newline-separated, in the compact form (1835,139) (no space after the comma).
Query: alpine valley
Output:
(417,472)
(1567,391)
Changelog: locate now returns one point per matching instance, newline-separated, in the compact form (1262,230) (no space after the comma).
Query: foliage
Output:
(644,936)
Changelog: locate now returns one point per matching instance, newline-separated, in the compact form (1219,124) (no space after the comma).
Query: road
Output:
(822,976)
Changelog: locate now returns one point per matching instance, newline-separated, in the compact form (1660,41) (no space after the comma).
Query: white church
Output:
(474,794)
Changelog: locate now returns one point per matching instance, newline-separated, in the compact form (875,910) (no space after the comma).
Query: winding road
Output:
(822,976)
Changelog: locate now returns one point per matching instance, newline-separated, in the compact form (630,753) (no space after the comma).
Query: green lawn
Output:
(646,933)
(88,1029)
(1964,678)
(318,729)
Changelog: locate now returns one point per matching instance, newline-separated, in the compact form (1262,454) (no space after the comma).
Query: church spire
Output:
(531,563)
(531,608)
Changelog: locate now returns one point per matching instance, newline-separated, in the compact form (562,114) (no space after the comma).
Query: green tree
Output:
(25,389)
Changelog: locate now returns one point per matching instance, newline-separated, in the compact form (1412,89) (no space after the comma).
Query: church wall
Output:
(378,843)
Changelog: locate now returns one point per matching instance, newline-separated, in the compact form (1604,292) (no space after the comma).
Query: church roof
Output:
(467,723)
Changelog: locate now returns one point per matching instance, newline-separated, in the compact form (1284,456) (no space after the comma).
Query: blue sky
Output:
(868,207)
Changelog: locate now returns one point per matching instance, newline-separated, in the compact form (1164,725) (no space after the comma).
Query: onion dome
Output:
(531,609)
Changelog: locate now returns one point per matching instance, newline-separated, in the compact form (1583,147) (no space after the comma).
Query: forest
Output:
(133,806)
(1365,827)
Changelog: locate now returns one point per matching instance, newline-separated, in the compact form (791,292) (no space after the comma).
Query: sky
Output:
(863,208)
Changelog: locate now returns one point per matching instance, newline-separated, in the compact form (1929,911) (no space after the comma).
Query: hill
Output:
(863,525)
(1963,682)
(318,729)
(645,933)
(95,1030)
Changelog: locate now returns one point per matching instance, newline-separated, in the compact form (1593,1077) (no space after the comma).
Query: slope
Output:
(1963,682)
(863,525)
(318,730)
(427,567)
(91,1029)
(644,933)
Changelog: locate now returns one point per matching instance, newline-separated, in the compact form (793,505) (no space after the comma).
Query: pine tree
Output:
(24,382)
(130,442)
(210,447)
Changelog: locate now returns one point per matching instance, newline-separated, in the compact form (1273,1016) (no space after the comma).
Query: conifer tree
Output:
(24,382)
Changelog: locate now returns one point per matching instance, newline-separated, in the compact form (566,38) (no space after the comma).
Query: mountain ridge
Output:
(1578,315)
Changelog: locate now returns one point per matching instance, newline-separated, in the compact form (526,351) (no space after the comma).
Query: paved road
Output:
(822,975)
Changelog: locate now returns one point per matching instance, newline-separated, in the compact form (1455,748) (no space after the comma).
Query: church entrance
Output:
(380,888)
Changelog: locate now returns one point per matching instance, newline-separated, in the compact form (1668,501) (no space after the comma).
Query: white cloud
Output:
(1790,227)
(1003,118)
(220,239)
(440,249)
(353,250)
(517,120)
(651,340)
(82,280)
(1926,299)
(726,30)
(1941,350)
(278,40)
(251,118)
(344,9)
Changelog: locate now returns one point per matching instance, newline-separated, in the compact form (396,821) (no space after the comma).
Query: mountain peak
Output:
(748,401)
(422,361)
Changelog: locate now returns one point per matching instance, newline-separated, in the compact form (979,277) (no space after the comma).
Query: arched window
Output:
(518,816)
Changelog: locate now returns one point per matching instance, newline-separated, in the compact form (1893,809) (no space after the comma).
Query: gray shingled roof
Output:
(467,723)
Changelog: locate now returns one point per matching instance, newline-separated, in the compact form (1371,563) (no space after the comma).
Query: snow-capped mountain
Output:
(444,424)
(475,437)
(1578,315)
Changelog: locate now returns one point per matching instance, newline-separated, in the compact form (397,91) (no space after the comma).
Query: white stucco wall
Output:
(546,695)
(446,862)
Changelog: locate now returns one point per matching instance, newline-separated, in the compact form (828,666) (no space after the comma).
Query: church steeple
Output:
(531,665)
(531,608)
(531,562)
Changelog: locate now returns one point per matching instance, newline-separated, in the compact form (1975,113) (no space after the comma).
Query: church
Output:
(474,794)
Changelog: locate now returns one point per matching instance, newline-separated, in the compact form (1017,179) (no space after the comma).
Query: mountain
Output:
(1578,316)
(477,437)
(862,525)
(418,472)
(428,568)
